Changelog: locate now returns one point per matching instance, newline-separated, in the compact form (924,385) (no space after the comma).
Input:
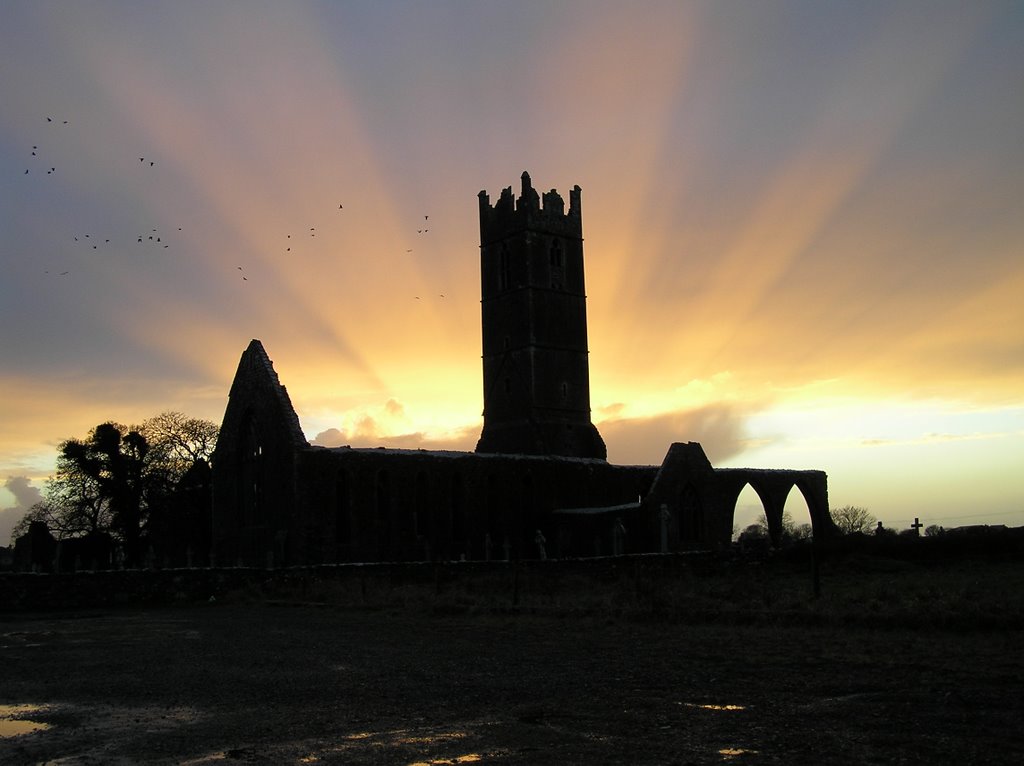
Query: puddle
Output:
(728,753)
(711,707)
(13,724)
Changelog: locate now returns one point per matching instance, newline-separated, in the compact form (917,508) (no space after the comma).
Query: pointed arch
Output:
(250,471)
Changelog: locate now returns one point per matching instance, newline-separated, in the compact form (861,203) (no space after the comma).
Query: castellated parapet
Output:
(509,215)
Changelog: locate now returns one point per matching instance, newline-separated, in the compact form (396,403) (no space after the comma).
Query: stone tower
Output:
(534,327)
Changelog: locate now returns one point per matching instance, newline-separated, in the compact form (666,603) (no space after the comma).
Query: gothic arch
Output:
(250,471)
(736,492)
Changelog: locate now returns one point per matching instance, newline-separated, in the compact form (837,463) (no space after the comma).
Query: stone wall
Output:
(494,584)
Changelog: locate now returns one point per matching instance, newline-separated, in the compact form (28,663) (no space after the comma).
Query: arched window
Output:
(458,516)
(422,523)
(250,472)
(382,503)
(691,517)
(556,262)
(505,270)
(342,515)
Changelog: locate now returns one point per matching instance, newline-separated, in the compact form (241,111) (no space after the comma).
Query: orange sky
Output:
(803,225)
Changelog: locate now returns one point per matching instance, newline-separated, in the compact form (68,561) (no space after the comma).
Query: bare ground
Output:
(263,683)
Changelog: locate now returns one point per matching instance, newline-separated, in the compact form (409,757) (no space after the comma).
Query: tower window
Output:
(505,271)
(565,392)
(556,263)
(556,253)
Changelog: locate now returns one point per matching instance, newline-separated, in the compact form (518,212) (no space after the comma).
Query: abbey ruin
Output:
(538,484)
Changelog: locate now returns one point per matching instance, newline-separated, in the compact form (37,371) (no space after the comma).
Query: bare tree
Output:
(850,519)
(178,441)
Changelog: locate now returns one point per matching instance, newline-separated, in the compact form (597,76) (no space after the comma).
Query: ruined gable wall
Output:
(254,462)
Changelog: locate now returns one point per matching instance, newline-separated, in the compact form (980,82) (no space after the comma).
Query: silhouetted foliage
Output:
(850,519)
(113,463)
(125,481)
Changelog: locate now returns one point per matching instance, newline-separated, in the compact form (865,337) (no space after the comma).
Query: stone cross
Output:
(916,526)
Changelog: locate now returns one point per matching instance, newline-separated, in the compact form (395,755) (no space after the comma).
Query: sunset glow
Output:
(804,225)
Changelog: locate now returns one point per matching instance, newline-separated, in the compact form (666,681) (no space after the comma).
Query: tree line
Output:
(849,519)
(144,486)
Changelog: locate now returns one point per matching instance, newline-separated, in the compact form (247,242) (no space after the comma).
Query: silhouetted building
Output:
(534,327)
(539,470)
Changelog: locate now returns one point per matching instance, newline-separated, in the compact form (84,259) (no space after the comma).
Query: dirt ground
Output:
(261,683)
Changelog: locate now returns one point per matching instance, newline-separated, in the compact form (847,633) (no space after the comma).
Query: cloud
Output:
(364,435)
(332,437)
(933,438)
(25,496)
(720,428)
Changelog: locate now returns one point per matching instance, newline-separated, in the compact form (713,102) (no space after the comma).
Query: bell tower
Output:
(534,327)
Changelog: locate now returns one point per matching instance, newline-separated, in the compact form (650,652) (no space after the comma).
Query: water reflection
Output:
(385,743)
(12,724)
(468,758)
(735,752)
(706,706)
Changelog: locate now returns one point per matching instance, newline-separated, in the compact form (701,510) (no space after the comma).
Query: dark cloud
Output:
(720,428)
(25,496)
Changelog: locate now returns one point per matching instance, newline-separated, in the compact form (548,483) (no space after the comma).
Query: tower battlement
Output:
(543,214)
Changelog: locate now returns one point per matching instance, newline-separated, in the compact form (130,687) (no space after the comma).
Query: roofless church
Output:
(538,483)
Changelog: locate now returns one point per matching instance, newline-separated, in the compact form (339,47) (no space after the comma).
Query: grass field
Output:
(897,661)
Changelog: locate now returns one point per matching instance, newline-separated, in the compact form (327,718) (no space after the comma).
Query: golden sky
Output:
(803,222)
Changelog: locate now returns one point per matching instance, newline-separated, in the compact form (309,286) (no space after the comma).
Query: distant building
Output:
(539,471)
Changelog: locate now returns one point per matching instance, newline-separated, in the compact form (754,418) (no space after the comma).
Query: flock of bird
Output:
(35,152)
(153,237)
